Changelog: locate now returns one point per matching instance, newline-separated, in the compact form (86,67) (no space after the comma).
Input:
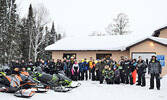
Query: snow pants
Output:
(157,80)
(134,73)
(141,79)
(122,76)
(129,78)
(86,74)
(97,75)
(93,75)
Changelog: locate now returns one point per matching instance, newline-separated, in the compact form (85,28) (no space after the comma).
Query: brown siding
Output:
(163,33)
(146,47)
(87,54)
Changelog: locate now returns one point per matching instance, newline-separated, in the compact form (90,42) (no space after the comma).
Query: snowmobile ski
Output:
(61,89)
(21,95)
(42,91)
(79,84)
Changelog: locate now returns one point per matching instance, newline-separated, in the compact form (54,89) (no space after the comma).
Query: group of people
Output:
(103,70)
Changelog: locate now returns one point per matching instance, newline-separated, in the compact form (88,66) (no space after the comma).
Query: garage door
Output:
(143,55)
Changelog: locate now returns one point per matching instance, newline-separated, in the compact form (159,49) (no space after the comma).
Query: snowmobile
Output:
(58,82)
(18,84)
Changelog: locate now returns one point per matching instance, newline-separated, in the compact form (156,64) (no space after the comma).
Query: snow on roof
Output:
(159,29)
(114,42)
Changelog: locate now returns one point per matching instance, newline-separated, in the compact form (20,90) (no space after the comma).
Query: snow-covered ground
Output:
(90,90)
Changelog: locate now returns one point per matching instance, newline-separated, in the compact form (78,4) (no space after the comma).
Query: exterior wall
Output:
(163,33)
(87,54)
(147,47)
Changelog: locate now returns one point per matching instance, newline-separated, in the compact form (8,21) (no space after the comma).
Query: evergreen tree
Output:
(30,27)
(53,37)
(9,31)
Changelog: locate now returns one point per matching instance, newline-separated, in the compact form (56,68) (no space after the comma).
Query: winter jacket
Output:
(52,65)
(141,67)
(85,65)
(93,67)
(81,68)
(90,64)
(65,66)
(30,65)
(37,64)
(116,73)
(98,66)
(134,66)
(75,68)
(12,65)
(103,64)
(127,66)
(108,73)
(23,65)
(17,65)
(154,67)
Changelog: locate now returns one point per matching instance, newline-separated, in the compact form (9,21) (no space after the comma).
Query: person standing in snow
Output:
(101,67)
(141,70)
(81,71)
(122,70)
(90,65)
(93,67)
(128,72)
(98,64)
(69,67)
(86,66)
(75,70)
(154,69)
(134,72)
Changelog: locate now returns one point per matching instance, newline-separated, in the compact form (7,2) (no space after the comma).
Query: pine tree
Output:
(24,42)
(30,27)
(53,35)
(9,30)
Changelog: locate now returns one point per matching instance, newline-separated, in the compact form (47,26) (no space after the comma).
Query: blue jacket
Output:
(65,66)
(85,65)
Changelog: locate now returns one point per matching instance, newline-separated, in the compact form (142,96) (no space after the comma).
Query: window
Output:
(69,55)
(100,56)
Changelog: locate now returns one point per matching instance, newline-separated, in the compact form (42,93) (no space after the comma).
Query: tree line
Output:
(25,38)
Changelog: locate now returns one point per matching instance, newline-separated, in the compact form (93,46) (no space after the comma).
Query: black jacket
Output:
(23,65)
(141,67)
(154,67)
(128,66)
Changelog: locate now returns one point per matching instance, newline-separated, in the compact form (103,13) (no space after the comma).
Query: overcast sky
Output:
(82,17)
